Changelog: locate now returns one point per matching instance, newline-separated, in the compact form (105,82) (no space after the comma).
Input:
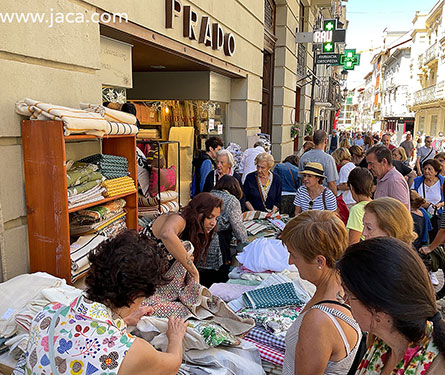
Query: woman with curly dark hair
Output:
(391,297)
(195,223)
(90,335)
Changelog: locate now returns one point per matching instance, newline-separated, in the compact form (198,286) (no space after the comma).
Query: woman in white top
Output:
(313,195)
(429,185)
(342,157)
(324,338)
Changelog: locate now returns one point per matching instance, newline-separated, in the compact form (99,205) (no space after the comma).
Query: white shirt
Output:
(247,164)
(432,194)
(342,179)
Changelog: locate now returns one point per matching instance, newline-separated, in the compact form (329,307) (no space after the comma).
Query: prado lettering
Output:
(210,34)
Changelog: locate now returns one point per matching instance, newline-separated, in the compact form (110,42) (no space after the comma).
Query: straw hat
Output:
(315,169)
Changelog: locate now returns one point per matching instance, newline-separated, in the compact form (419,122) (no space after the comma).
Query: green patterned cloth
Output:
(77,173)
(272,296)
(111,166)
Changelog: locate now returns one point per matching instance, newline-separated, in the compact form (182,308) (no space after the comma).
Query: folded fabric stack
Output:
(75,121)
(118,122)
(149,207)
(148,134)
(80,250)
(84,183)
(107,219)
(118,186)
(111,166)
(274,305)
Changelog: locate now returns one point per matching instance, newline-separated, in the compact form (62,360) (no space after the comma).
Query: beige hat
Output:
(315,169)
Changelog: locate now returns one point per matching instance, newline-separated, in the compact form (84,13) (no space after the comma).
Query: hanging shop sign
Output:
(199,28)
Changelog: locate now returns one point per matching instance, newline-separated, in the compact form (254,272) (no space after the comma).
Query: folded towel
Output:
(116,128)
(110,114)
(80,249)
(76,121)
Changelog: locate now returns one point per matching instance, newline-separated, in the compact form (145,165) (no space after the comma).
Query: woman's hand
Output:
(176,329)
(439,205)
(133,318)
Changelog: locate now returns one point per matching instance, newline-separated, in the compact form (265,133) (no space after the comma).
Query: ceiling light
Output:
(158,66)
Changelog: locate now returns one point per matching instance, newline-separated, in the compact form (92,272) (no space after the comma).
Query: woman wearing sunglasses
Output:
(313,195)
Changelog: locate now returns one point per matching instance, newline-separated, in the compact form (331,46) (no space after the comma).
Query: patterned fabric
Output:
(97,213)
(259,334)
(272,296)
(111,166)
(213,334)
(88,338)
(276,320)
(88,185)
(89,196)
(118,128)
(416,361)
(268,353)
(77,173)
(152,212)
(119,186)
(109,113)
(167,178)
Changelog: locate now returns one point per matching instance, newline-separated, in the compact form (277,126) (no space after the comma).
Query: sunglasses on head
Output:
(311,205)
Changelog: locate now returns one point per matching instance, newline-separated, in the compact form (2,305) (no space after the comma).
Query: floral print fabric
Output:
(416,361)
(88,339)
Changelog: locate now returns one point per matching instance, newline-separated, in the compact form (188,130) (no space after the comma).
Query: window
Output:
(433,127)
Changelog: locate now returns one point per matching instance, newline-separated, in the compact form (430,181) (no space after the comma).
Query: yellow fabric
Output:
(118,186)
(185,136)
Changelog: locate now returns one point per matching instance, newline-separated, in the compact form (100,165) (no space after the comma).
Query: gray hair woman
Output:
(224,166)
(263,187)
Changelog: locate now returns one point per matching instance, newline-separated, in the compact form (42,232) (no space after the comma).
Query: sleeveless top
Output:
(83,338)
(340,367)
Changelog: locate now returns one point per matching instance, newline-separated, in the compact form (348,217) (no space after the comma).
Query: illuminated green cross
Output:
(350,59)
(328,47)
(329,25)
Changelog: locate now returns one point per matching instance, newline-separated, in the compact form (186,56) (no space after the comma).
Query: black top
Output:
(419,228)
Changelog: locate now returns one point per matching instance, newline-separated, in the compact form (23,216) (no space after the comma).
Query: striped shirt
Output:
(302,200)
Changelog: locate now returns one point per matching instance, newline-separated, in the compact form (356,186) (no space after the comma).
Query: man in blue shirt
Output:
(290,182)
(204,163)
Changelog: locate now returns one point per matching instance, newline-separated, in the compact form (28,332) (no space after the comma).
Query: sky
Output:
(367,20)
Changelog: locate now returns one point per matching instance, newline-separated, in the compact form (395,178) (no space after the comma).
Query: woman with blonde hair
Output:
(388,217)
(262,188)
(316,240)
(399,153)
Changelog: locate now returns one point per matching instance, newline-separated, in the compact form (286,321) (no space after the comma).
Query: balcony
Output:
(431,54)
(327,93)
(429,94)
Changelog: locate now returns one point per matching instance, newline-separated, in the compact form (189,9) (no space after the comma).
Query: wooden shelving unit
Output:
(46,191)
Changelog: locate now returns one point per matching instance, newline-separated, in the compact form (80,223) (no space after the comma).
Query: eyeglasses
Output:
(311,205)
(345,298)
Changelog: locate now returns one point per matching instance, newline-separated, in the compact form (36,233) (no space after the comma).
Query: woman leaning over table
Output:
(391,297)
(313,195)
(262,188)
(324,338)
(195,223)
(90,335)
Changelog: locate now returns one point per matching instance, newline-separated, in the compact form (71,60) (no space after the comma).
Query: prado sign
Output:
(199,28)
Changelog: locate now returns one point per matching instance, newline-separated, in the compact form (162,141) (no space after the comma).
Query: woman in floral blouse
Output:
(90,336)
(391,297)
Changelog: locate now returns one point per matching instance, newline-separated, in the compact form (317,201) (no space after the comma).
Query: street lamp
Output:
(344,75)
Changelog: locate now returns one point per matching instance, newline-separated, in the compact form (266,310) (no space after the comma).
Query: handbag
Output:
(342,209)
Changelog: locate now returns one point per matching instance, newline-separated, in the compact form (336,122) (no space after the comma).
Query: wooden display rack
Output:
(46,191)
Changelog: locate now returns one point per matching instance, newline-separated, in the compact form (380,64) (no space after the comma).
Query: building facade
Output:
(427,90)
(239,53)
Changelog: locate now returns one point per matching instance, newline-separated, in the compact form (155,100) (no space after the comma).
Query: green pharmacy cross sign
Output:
(329,35)
(350,59)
